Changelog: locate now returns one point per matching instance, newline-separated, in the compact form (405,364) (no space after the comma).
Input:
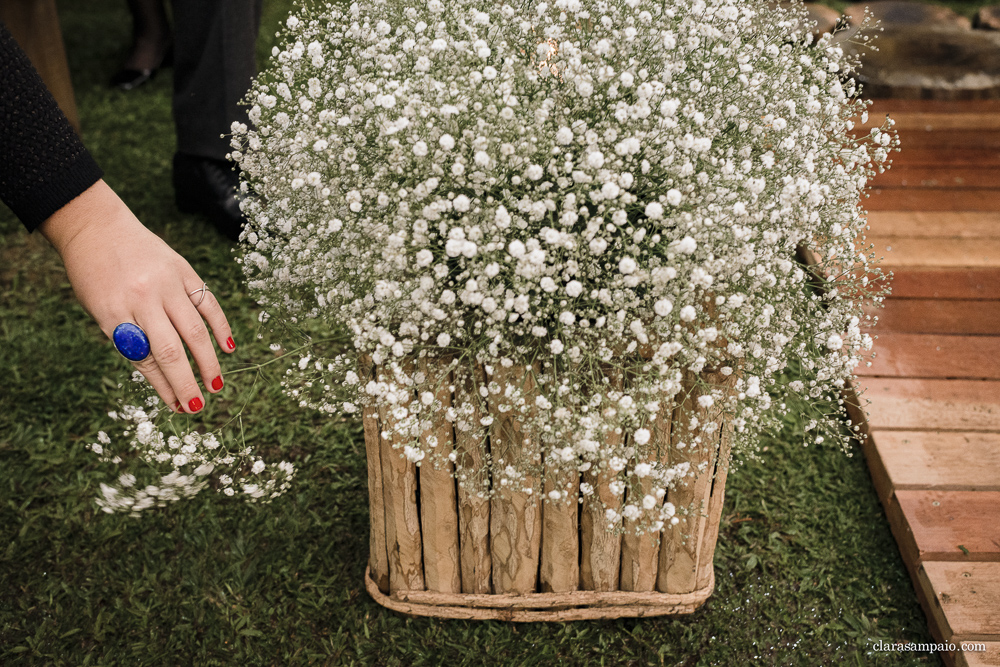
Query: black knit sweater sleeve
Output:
(43,164)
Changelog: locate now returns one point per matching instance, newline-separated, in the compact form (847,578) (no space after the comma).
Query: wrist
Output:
(93,210)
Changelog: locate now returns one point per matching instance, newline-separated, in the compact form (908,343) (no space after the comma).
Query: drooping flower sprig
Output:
(163,458)
(568,211)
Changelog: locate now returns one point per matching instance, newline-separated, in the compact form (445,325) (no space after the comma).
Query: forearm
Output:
(43,164)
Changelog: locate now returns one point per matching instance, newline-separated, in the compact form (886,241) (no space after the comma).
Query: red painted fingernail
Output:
(195,404)
(230,344)
(217,383)
(177,406)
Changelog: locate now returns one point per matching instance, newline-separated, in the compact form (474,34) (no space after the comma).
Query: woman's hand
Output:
(122,272)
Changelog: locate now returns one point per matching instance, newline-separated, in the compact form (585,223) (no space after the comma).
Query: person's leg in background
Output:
(151,40)
(214,51)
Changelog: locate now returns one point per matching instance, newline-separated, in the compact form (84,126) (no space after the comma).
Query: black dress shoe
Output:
(128,79)
(209,187)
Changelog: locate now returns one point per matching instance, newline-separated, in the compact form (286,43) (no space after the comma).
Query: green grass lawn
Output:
(807,571)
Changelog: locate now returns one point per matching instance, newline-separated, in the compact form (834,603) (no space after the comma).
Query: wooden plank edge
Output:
(903,486)
(952,594)
(937,622)
(986,656)
(899,524)
(858,415)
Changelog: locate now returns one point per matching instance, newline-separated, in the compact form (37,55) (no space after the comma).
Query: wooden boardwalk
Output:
(934,387)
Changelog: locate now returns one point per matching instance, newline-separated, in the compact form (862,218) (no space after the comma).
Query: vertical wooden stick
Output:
(473,503)
(641,553)
(402,520)
(378,559)
(560,569)
(601,544)
(680,548)
(706,558)
(438,502)
(515,515)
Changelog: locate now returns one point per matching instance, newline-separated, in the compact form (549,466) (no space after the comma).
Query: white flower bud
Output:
(598,245)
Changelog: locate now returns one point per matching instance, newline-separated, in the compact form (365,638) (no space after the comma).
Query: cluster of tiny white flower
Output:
(594,201)
(192,457)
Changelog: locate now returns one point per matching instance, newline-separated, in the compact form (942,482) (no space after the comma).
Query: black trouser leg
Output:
(214,51)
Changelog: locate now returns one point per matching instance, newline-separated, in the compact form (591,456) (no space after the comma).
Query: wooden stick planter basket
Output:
(438,550)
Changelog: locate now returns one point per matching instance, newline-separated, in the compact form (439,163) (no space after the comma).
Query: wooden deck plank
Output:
(937,316)
(881,107)
(938,224)
(934,450)
(985,118)
(933,199)
(922,176)
(911,122)
(948,252)
(965,597)
(942,405)
(944,137)
(944,283)
(935,356)
(946,525)
(940,460)
(940,157)
(990,657)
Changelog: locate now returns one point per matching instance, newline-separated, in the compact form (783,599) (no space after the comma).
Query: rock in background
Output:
(987,18)
(924,52)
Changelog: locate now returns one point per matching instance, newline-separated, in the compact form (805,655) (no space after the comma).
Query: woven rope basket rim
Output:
(534,607)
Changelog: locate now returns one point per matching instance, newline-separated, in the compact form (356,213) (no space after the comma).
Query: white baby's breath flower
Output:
(687,245)
(429,185)
(663,307)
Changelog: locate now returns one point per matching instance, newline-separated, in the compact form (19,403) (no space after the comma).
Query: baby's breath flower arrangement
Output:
(163,458)
(577,209)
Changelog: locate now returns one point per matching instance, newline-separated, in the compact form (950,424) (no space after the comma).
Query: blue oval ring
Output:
(131,341)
